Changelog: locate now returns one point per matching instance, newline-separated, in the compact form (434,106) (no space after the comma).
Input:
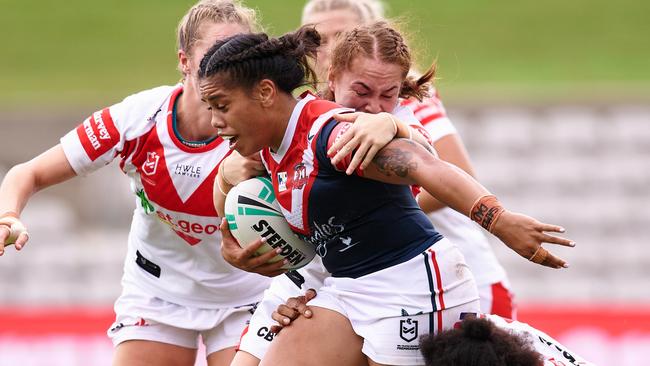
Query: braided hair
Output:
(381,42)
(245,59)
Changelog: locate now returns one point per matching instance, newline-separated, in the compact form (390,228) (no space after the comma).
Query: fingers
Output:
(557,240)
(225,229)
(340,148)
(546,258)
(357,158)
(369,156)
(5,232)
(21,240)
(346,117)
(551,228)
(310,294)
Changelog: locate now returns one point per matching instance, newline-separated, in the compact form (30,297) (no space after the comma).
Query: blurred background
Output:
(551,98)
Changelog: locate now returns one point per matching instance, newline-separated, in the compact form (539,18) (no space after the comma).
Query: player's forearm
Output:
(17,187)
(23,180)
(449,184)
(405,162)
(428,203)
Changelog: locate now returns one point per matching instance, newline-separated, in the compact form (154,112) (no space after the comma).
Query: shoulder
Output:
(319,107)
(143,104)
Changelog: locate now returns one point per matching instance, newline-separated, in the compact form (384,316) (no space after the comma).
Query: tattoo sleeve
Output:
(395,161)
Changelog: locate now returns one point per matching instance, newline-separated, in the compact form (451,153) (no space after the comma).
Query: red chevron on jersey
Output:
(293,167)
(98,134)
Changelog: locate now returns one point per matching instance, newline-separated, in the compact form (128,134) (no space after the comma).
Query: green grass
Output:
(78,52)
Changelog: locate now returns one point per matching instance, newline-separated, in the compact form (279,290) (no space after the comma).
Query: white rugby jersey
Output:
(174,243)
(555,354)
(453,225)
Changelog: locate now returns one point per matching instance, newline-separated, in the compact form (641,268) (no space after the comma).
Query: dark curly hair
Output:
(245,59)
(478,342)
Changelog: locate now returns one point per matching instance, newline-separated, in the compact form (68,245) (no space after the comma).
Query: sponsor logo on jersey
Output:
(98,134)
(151,164)
(325,232)
(274,239)
(282,181)
(188,170)
(184,228)
(299,176)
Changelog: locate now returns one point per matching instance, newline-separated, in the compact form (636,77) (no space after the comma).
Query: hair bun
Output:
(480,329)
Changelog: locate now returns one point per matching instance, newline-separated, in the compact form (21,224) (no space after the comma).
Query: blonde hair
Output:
(367,10)
(217,11)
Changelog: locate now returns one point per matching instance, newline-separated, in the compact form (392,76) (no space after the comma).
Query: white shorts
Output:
(390,309)
(497,299)
(257,337)
(144,317)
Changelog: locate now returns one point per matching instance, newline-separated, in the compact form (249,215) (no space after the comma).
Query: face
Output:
(368,85)
(238,117)
(210,33)
(330,24)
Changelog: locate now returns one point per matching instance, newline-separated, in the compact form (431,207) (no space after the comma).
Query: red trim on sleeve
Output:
(98,134)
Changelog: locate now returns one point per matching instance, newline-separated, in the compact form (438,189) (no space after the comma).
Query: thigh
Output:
(148,353)
(226,334)
(243,358)
(222,357)
(327,338)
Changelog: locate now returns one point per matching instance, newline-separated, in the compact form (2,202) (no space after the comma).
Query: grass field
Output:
(87,52)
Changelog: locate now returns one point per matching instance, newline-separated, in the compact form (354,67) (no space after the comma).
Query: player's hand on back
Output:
(368,134)
(292,309)
(237,168)
(525,235)
(245,258)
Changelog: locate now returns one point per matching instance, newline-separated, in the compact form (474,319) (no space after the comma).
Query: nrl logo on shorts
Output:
(408,329)
(150,165)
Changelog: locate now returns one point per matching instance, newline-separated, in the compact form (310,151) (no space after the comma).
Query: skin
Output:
(258,118)
(369,85)
(372,86)
(52,167)
(330,25)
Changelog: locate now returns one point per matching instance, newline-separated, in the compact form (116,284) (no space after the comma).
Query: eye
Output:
(361,94)
(387,96)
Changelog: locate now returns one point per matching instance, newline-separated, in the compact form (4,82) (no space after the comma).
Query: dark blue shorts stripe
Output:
(432,289)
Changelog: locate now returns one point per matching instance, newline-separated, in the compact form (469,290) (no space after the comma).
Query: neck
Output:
(281,118)
(193,117)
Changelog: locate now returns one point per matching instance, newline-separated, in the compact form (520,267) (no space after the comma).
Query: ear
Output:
(183,63)
(330,80)
(266,91)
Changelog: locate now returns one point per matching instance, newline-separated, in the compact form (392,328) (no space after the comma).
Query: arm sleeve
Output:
(110,131)
(94,143)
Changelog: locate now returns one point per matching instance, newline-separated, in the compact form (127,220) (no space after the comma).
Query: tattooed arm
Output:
(404,162)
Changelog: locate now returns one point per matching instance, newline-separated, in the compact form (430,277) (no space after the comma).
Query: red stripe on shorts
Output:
(440,290)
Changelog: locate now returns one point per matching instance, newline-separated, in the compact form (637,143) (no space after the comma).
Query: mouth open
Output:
(232,140)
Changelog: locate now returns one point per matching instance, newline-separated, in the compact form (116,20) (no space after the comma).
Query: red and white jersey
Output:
(453,225)
(554,353)
(174,243)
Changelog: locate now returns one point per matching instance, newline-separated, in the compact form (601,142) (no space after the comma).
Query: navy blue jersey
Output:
(359,226)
